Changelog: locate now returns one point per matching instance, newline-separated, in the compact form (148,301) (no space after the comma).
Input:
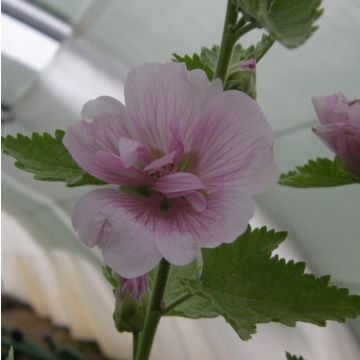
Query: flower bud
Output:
(136,287)
(340,128)
(130,304)
(248,65)
(242,77)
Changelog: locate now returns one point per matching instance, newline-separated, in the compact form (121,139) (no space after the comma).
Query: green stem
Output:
(175,303)
(135,343)
(227,42)
(231,34)
(240,32)
(153,313)
(239,25)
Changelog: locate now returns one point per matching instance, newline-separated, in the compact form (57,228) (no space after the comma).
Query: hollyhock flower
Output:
(340,128)
(186,158)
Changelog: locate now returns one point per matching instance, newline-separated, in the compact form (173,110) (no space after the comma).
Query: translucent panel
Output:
(16,79)
(69,11)
(25,44)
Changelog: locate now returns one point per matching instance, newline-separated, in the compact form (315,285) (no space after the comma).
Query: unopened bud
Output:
(248,65)
(130,304)
(242,77)
(135,287)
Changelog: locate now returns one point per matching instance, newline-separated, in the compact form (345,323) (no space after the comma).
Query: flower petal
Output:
(179,183)
(331,109)
(122,226)
(159,163)
(328,135)
(114,172)
(349,151)
(176,143)
(177,248)
(158,94)
(197,200)
(101,131)
(233,145)
(105,108)
(130,151)
(92,216)
(354,114)
(344,140)
(226,216)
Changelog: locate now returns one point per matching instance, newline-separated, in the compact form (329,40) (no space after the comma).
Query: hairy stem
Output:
(238,25)
(153,313)
(231,34)
(227,42)
(135,343)
(246,28)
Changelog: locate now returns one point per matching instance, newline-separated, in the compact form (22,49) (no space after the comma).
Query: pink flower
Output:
(340,128)
(187,157)
(135,287)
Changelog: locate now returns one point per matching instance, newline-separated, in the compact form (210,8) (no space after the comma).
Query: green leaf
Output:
(47,158)
(246,286)
(209,56)
(293,357)
(291,22)
(110,276)
(321,172)
(193,63)
(254,51)
(195,307)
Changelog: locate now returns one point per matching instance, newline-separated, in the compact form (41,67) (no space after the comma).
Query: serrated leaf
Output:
(209,56)
(291,22)
(195,307)
(254,51)
(293,357)
(110,276)
(193,63)
(246,286)
(47,158)
(321,172)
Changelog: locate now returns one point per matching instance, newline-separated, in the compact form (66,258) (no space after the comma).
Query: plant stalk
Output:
(231,34)
(135,343)
(227,42)
(153,313)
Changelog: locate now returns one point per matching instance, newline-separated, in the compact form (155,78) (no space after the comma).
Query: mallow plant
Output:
(182,159)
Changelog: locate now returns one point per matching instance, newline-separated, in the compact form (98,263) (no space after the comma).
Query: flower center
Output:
(164,170)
